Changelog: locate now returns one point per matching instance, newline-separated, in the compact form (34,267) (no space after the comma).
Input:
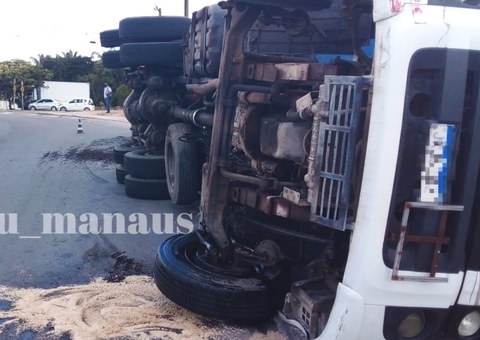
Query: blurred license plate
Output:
(438,164)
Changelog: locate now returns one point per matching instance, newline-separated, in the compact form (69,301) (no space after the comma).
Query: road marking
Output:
(30,237)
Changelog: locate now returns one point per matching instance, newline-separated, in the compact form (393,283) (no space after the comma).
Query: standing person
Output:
(107,95)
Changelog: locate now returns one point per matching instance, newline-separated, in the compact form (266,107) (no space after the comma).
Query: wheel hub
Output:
(235,269)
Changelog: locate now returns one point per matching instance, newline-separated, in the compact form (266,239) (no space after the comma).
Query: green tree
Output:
(66,67)
(97,79)
(20,70)
(121,94)
(38,61)
(70,66)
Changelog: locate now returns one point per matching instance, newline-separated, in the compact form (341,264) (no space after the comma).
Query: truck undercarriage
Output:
(262,112)
(272,136)
(335,187)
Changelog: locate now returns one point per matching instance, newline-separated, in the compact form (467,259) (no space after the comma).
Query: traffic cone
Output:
(80,128)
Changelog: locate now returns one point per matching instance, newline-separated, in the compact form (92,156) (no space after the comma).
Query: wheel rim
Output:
(86,109)
(170,161)
(32,108)
(63,109)
(53,108)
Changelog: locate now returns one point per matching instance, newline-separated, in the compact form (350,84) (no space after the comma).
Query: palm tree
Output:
(39,60)
(95,55)
(70,65)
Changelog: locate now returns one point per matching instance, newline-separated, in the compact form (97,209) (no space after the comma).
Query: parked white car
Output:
(44,104)
(78,104)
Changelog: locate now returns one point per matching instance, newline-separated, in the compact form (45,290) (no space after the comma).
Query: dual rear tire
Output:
(145,41)
(182,164)
(177,175)
(145,175)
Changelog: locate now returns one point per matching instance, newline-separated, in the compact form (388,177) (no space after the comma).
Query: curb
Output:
(67,114)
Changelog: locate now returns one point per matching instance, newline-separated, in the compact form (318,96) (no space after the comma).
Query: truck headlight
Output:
(470,324)
(412,325)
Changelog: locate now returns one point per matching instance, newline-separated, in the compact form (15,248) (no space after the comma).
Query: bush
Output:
(120,95)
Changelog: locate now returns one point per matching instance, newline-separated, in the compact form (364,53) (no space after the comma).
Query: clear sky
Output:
(32,27)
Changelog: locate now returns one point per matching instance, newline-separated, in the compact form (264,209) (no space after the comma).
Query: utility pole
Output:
(14,92)
(187,14)
(22,89)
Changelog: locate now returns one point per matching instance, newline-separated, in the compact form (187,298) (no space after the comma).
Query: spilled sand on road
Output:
(102,310)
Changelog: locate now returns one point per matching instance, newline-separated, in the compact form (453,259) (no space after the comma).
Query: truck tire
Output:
(233,299)
(151,53)
(298,4)
(141,164)
(146,189)
(182,165)
(120,173)
(153,29)
(110,38)
(111,60)
(120,151)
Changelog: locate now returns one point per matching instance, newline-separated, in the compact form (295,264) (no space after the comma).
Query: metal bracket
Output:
(438,241)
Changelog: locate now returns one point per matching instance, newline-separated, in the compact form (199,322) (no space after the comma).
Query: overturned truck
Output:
(337,187)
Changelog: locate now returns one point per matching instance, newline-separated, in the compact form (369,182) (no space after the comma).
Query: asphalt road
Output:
(46,167)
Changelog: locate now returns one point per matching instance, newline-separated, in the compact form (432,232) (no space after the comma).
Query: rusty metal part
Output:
(305,114)
(252,258)
(258,98)
(230,104)
(296,196)
(273,58)
(289,98)
(246,127)
(270,205)
(283,140)
(439,243)
(289,72)
(312,158)
(265,257)
(440,240)
(203,89)
(272,167)
(419,239)
(215,189)
(270,250)
(266,182)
